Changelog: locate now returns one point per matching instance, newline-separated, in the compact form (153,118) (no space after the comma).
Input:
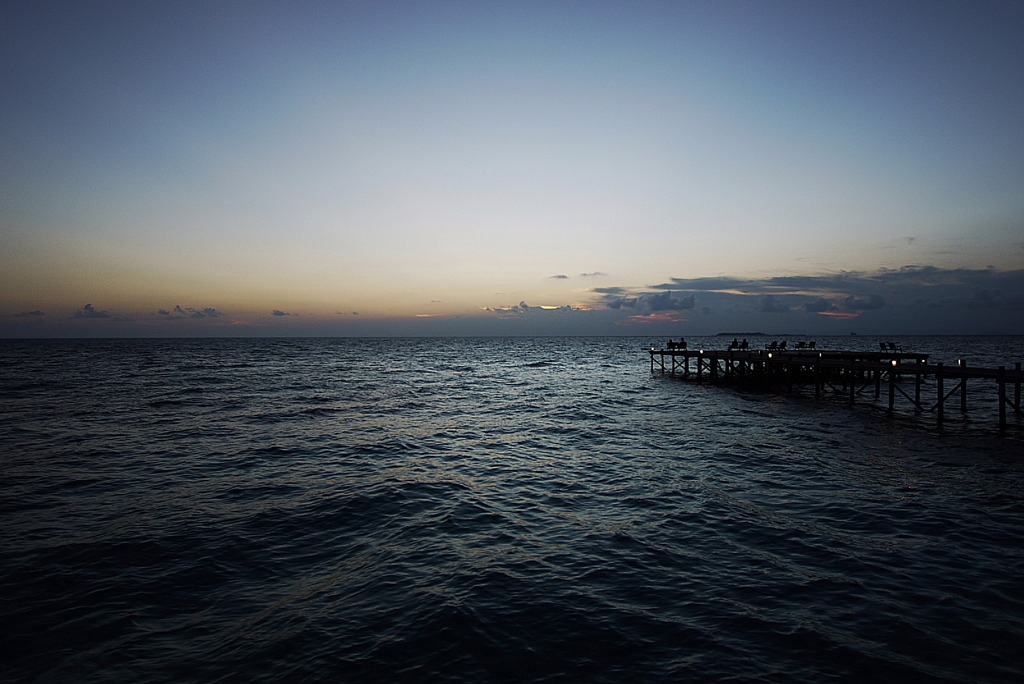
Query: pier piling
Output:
(847,373)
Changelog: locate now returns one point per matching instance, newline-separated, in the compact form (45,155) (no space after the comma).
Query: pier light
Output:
(894,362)
(769,355)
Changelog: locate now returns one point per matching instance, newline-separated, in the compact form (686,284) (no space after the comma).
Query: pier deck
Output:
(851,373)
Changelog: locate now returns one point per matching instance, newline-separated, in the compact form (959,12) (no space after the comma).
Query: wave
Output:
(328,511)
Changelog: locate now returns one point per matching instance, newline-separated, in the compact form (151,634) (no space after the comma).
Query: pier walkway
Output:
(849,373)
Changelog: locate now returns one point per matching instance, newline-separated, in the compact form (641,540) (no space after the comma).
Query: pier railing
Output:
(849,373)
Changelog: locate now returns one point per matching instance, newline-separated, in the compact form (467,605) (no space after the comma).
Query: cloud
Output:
(667,301)
(899,242)
(901,292)
(558,277)
(701,284)
(871,301)
(985,298)
(820,305)
(595,274)
(768,304)
(278,312)
(522,308)
(189,312)
(88,311)
(653,301)
(28,314)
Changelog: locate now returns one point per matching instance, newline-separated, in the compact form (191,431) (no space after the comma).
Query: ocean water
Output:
(470,510)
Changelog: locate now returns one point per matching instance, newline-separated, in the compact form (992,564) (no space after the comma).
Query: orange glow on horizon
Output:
(666,317)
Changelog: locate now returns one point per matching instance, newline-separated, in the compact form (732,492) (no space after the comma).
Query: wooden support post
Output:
(939,415)
(817,378)
(892,387)
(853,380)
(1002,397)
(878,382)
(917,390)
(963,390)
(1016,387)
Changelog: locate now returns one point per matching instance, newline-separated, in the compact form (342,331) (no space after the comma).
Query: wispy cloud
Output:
(278,312)
(28,314)
(522,309)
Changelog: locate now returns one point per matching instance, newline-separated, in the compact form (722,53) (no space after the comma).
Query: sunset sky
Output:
(506,168)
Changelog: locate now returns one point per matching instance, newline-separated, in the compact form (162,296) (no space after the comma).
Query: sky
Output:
(511,168)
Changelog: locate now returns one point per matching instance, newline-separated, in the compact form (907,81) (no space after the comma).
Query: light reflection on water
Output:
(459,510)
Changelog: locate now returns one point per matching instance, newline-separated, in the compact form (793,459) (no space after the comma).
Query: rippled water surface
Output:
(490,510)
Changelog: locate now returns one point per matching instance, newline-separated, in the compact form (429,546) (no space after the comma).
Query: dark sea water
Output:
(469,510)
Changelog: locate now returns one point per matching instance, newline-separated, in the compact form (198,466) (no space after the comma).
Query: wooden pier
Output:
(850,374)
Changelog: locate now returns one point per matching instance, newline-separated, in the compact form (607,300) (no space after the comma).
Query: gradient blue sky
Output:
(433,168)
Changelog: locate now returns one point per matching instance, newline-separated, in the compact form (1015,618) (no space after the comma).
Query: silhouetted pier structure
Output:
(847,373)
